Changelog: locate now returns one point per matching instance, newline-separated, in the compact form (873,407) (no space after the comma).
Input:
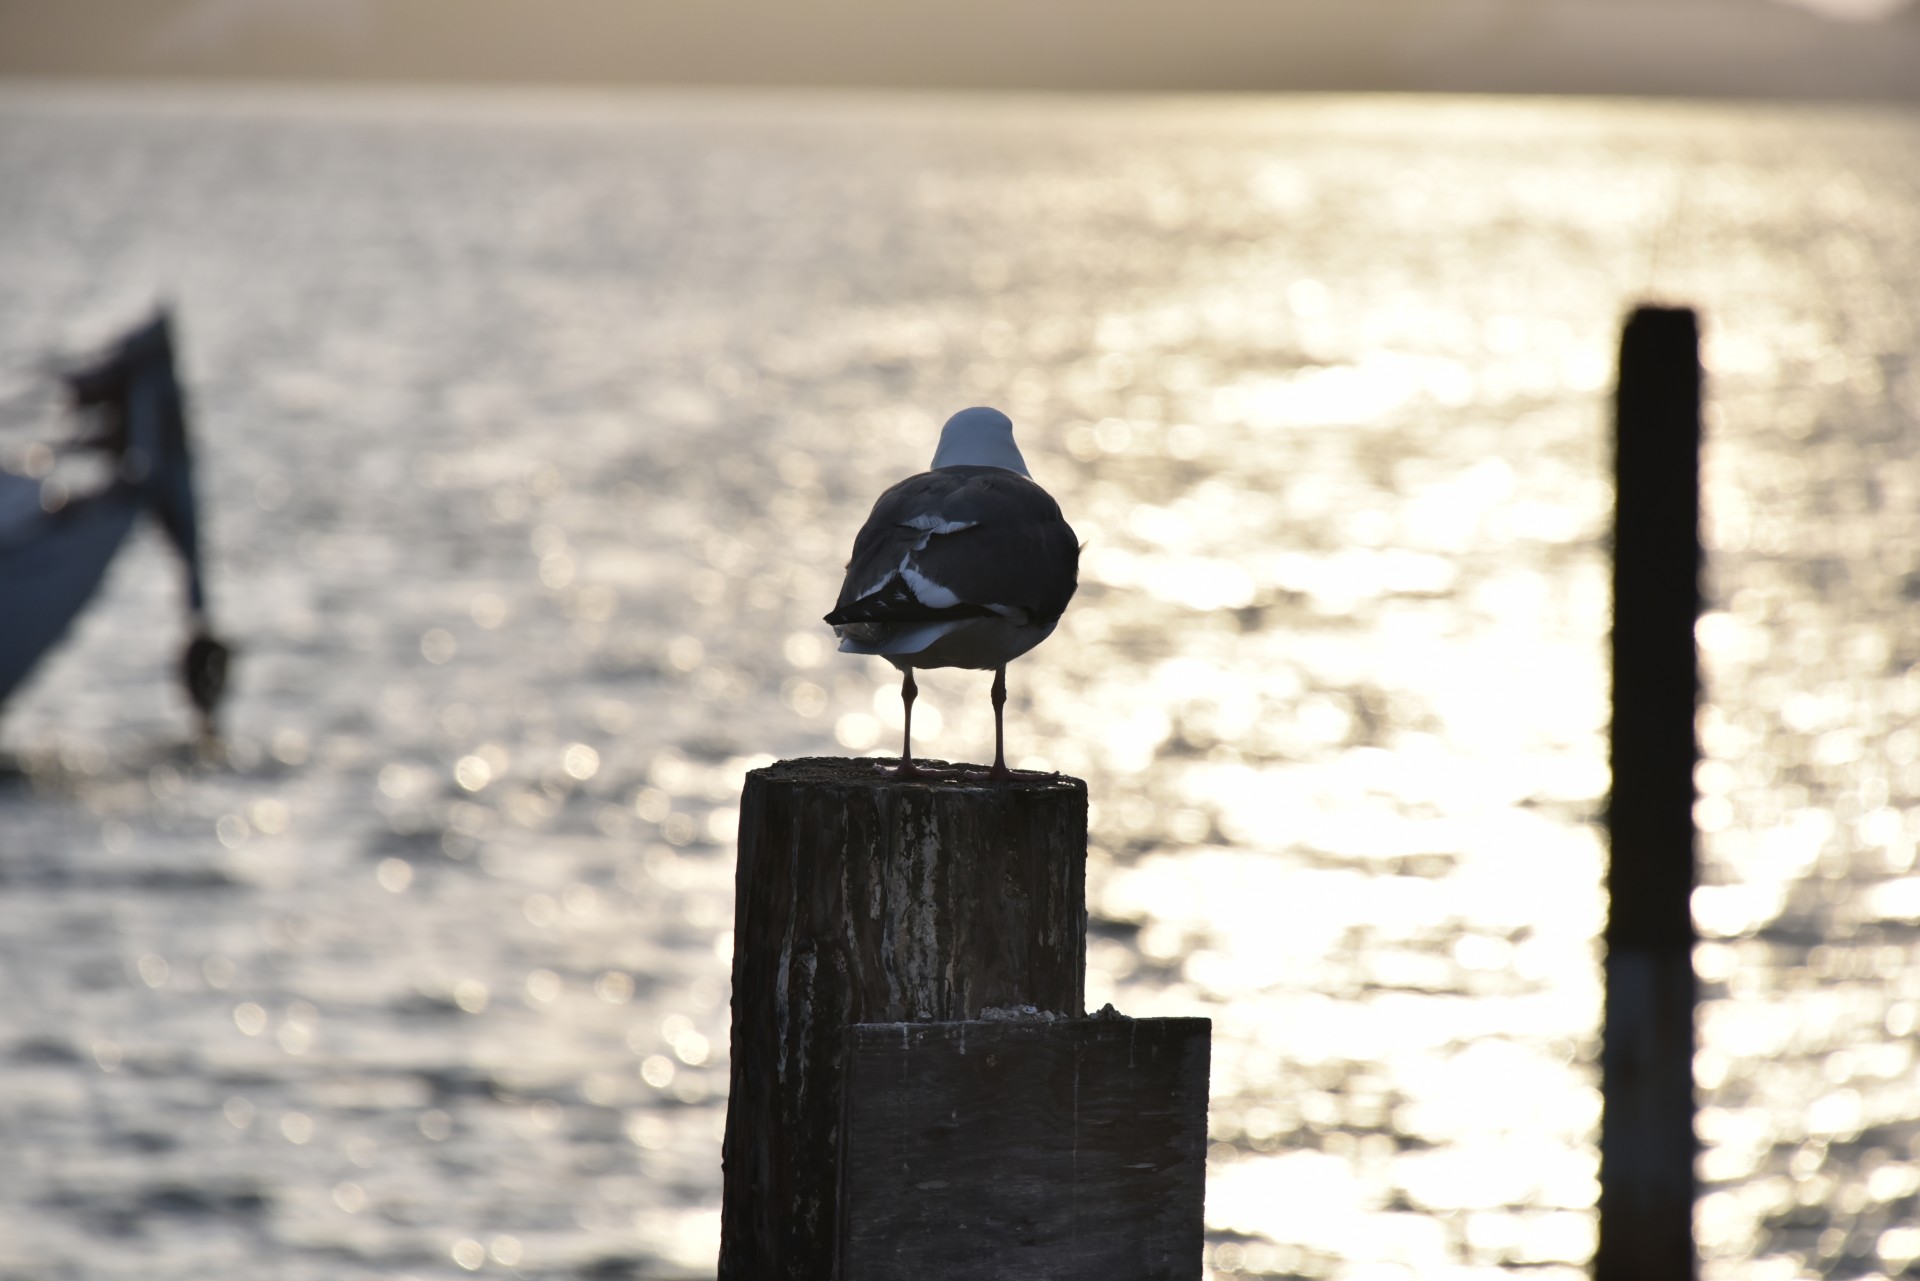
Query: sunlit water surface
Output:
(534,431)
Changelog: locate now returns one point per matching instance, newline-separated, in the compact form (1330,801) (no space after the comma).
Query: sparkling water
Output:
(534,430)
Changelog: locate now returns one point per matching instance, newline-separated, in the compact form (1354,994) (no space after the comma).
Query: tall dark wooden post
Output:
(866,899)
(1647,1144)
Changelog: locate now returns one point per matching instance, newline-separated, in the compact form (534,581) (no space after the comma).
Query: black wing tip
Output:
(880,609)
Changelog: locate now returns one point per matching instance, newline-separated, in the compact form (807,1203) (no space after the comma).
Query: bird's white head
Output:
(979,437)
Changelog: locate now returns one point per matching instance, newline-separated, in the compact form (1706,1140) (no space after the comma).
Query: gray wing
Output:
(961,542)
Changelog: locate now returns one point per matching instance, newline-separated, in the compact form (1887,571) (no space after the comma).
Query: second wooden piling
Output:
(1647,1144)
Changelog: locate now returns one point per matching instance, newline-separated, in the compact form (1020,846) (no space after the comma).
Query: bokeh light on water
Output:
(534,431)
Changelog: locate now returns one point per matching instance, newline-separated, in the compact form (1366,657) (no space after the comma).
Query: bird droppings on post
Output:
(1018,1014)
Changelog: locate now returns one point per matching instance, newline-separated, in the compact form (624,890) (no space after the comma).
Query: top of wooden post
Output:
(879,772)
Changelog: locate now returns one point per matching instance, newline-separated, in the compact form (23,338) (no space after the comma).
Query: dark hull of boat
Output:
(51,567)
(52,562)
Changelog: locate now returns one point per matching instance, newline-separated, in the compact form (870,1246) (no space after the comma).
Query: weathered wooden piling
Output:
(1647,1144)
(863,898)
(917,1091)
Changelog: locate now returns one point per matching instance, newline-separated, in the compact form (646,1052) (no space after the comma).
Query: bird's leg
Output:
(999,769)
(908,692)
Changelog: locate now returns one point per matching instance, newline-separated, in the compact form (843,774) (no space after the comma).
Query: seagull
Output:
(969,564)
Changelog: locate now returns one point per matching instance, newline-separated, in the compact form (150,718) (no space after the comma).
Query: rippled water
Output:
(534,430)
